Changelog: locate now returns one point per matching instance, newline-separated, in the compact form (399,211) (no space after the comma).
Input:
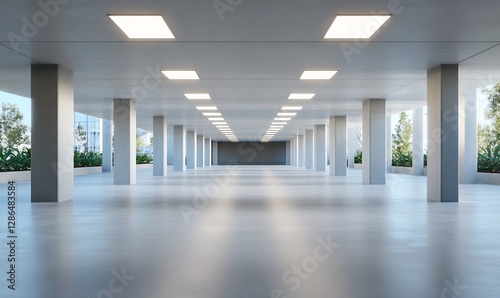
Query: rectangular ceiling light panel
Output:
(143,26)
(355,26)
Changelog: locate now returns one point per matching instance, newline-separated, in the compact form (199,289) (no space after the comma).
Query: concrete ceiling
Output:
(250,58)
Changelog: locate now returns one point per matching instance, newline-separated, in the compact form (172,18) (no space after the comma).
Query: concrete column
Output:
(353,145)
(320,147)
(191,149)
(301,150)
(374,141)
(468,137)
(179,148)
(418,142)
(442,133)
(208,152)
(124,118)
(389,144)
(338,146)
(200,151)
(309,149)
(293,148)
(52,125)
(159,146)
(215,153)
(107,146)
(288,152)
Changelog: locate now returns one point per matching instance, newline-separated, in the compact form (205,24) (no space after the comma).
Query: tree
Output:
(490,136)
(401,142)
(81,136)
(13,133)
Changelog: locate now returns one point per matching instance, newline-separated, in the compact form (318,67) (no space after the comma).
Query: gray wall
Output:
(252,153)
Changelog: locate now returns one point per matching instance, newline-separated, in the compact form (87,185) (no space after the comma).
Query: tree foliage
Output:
(81,136)
(401,142)
(489,136)
(13,133)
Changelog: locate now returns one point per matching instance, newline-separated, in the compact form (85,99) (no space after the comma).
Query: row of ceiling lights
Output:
(343,27)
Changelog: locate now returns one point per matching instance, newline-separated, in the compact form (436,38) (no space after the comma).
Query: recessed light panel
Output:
(181,74)
(291,108)
(207,108)
(216,119)
(219,123)
(287,114)
(301,96)
(317,74)
(145,27)
(211,114)
(197,96)
(356,26)
(281,119)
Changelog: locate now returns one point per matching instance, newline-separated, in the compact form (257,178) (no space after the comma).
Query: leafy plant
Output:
(489,160)
(15,159)
(143,159)
(401,142)
(87,159)
(358,158)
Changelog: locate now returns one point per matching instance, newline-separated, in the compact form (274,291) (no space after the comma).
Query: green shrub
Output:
(143,159)
(358,158)
(15,159)
(489,160)
(402,159)
(87,159)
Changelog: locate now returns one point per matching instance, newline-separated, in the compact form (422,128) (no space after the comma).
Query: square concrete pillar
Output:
(293,153)
(107,146)
(179,148)
(320,147)
(442,133)
(338,146)
(191,150)
(468,137)
(208,152)
(124,118)
(215,153)
(353,145)
(159,146)
(418,142)
(200,151)
(301,151)
(52,108)
(388,147)
(288,159)
(309,149)
(374,141)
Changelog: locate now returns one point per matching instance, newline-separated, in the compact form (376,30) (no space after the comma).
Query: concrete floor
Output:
(256,232)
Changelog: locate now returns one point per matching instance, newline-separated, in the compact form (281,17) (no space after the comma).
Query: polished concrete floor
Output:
(255,232)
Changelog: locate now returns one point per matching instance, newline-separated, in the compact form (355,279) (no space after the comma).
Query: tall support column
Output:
(200,151)
(159,146)
(338,146)
(389,143)
(418,142)
(468,137)
(52,125)
(107,146)
(353,145)
(309,149)
(215,153)
(301,149)
(288,159)
(293,148)
(320,147)
(208,152)
(442,133)
(191,150)
(124,118)
(179,148)
(374,141)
